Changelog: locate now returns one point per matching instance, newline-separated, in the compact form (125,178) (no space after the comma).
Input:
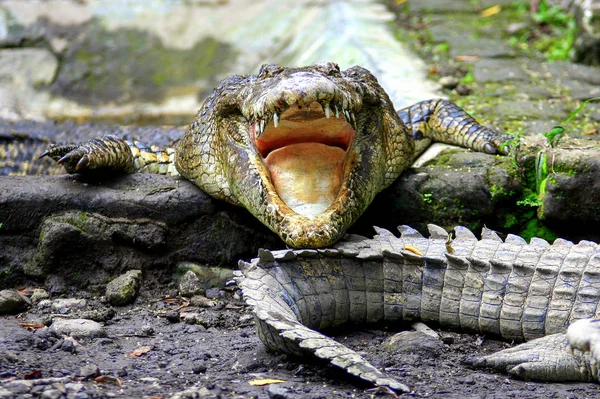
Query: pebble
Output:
(124,289)
(173,317)
(18,386)
(202,301)
(51,394)
(89,371)
(12,302)
(278,392)
(78,328)
(213,293)
(189,284)
(39,294)
(199,368)
(68,304)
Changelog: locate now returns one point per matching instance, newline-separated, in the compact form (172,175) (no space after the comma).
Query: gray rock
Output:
(51,394)
(276,391)
(89,371)
(124,289)
(68,303)
(38,295)
(414,342)
(498,70)
(189,284)
(207,276)
(18,386)
(78,328)
(28,66)
(12,302)
(202,301)
(213,293)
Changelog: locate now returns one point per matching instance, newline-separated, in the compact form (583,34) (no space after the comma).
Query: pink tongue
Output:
(307,176)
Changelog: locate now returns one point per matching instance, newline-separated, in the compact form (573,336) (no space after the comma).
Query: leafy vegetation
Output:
(553,33)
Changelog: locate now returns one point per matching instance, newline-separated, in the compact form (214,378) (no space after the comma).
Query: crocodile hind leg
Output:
(549,358)
(443,121)
(113,153)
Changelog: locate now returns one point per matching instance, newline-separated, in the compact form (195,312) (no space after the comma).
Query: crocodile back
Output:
(508,288)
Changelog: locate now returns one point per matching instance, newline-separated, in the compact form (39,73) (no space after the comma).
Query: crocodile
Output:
(306,150)
(508,288)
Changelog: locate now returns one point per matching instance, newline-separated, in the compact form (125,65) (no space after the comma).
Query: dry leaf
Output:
(412,249)
(107,379)
(488,12)
(398,2)
(466,58)
(266,381)
(140,351)
(34,375)
(29,325)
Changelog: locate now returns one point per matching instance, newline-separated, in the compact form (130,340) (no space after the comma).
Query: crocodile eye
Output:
(269,70)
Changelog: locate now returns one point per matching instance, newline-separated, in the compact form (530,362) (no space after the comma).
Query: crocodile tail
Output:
(279,322)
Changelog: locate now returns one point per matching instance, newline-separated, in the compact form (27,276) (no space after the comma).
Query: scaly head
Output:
(303,149)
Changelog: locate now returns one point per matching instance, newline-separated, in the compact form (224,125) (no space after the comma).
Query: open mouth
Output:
(305,150)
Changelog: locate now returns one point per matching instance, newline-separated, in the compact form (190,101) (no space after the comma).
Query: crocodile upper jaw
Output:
(305,153)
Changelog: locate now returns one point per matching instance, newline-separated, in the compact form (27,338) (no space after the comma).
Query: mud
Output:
(213,352)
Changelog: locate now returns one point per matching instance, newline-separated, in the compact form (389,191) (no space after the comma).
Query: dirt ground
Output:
(215,351)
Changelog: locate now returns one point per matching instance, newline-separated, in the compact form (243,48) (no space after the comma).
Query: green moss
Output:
(129,64)
(535,228)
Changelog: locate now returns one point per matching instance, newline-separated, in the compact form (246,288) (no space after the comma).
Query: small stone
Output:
(78,328)
(199,368)
(73,387)
(147,330)
(173,317)
(89,371)
(449,82)
(12,302)
(201,301)
(124,289)
(278,392)
(51,394)
(18,386)
(213,293)
(39,294)
(189,284)
(68,304)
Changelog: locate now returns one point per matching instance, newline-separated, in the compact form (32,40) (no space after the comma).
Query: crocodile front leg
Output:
(113,153)
(443,121)
(549,358)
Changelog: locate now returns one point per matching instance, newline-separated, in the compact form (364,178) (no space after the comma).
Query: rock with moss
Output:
(124,289)
(12,302)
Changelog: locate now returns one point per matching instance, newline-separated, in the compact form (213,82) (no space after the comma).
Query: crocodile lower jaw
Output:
(306,156)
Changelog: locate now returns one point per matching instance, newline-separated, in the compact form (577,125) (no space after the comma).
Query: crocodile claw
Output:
(548,358)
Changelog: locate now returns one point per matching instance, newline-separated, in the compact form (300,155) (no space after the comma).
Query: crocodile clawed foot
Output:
(548,358)
(104,152)
(74,158)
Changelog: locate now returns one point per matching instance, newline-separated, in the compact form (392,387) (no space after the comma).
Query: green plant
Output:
(428,198)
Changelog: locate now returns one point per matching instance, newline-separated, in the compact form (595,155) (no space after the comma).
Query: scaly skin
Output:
(511,289)
(252,119)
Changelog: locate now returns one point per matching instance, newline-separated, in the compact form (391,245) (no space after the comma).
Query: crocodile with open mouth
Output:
(305,150)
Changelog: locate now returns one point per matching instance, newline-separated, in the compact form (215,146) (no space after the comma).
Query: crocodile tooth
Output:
(262,126)
(257,130)
(275,119)
(327,110)
(347,115)
(337,112)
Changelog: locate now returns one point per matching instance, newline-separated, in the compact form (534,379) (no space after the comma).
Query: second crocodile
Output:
(511,289)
